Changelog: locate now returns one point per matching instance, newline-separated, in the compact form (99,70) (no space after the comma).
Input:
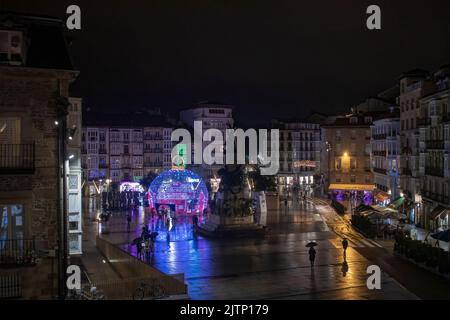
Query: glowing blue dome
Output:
(181,191)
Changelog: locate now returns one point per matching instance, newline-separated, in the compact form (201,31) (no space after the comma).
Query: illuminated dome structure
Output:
(181,191)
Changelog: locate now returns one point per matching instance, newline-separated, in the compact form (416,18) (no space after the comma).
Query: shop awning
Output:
(381,196)
(396,203)
(351,187)
(438,212)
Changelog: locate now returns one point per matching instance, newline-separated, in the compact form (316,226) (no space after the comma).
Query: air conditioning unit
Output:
(16,47)
(11,47)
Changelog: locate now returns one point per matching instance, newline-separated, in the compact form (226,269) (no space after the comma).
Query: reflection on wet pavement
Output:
(275,267)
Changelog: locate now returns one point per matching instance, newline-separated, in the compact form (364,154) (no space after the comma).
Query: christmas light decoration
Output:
(179,190)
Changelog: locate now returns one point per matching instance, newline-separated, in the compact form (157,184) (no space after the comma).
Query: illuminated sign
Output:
(304,163)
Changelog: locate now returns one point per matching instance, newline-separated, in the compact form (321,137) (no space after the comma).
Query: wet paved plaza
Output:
(274,267)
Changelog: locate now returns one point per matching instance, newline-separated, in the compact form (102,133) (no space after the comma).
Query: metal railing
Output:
(381,153)
(437,172)
(435,144)
(14,252)
(379,170)
(436,197)
(380,136)
(17,158)
(10,286)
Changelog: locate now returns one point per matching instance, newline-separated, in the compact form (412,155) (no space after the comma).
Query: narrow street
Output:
(422,283)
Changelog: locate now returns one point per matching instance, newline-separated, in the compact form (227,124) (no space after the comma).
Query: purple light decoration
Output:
(180,188)
(368,198)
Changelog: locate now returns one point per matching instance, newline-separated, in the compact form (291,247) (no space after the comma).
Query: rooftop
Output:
(44,41)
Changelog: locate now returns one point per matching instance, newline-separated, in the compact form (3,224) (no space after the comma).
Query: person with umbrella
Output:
(312,252)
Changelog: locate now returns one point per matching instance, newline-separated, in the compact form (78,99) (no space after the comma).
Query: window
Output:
(217,111)
(353,120)
(11,223)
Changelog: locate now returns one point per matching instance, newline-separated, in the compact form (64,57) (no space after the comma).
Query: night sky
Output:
(269,59)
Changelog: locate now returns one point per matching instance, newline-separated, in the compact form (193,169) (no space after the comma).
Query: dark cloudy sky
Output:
(269,58)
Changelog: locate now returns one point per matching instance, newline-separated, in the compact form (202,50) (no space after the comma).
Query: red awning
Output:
(381,196)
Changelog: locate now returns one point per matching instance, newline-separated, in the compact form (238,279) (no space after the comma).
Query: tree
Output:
(262,182)
(147,180)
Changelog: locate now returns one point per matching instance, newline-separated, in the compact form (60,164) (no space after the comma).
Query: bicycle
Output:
(154,290)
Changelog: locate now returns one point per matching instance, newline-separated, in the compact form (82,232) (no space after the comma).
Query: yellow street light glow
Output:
(345,154)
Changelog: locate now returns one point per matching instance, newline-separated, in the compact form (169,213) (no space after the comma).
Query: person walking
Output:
(312,256)
(128,222)
(345,246)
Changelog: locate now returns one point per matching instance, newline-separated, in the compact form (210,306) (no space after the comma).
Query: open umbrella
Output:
(311,244)
(442,236)
(136,241)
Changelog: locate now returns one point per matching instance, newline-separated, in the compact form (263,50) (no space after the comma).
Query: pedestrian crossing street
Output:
(355,242)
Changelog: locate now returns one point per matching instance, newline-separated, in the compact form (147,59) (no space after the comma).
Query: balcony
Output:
(152,137)
(18,252)
(406,172)
(102,151)
(153,150)
(17,158)
(436,197)
(435,144)
(380,170)
(381,153)
(153,164)
(102,165)
(381,136)
(437,172)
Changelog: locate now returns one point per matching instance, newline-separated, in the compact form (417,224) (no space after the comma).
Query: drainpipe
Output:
(62,191)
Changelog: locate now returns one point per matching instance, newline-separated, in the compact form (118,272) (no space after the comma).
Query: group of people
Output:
(145,244)
(116,201)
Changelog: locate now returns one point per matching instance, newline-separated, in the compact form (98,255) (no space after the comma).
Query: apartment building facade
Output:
(346,155)
(300,145)
(414,85)
(35,74)
(434,150)
(385,157)
(74,176)
(114,153)
(212,115)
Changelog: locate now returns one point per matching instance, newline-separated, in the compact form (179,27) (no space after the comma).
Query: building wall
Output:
(434,148)
(412,88)
(299,154)
(28,95)
(212,116)
(346,152)
(385,156)
(74,176)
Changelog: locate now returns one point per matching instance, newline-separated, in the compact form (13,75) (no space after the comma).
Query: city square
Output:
(205,154)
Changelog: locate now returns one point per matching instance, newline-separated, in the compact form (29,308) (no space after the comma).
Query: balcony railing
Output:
(102,151)
(381,153)
(380,170)
(406,171)
(381,136)
(436,197)
(152,137)
(153,164)
(437,172)
(435,144)
(17,158)
(16,252)
(153,150)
